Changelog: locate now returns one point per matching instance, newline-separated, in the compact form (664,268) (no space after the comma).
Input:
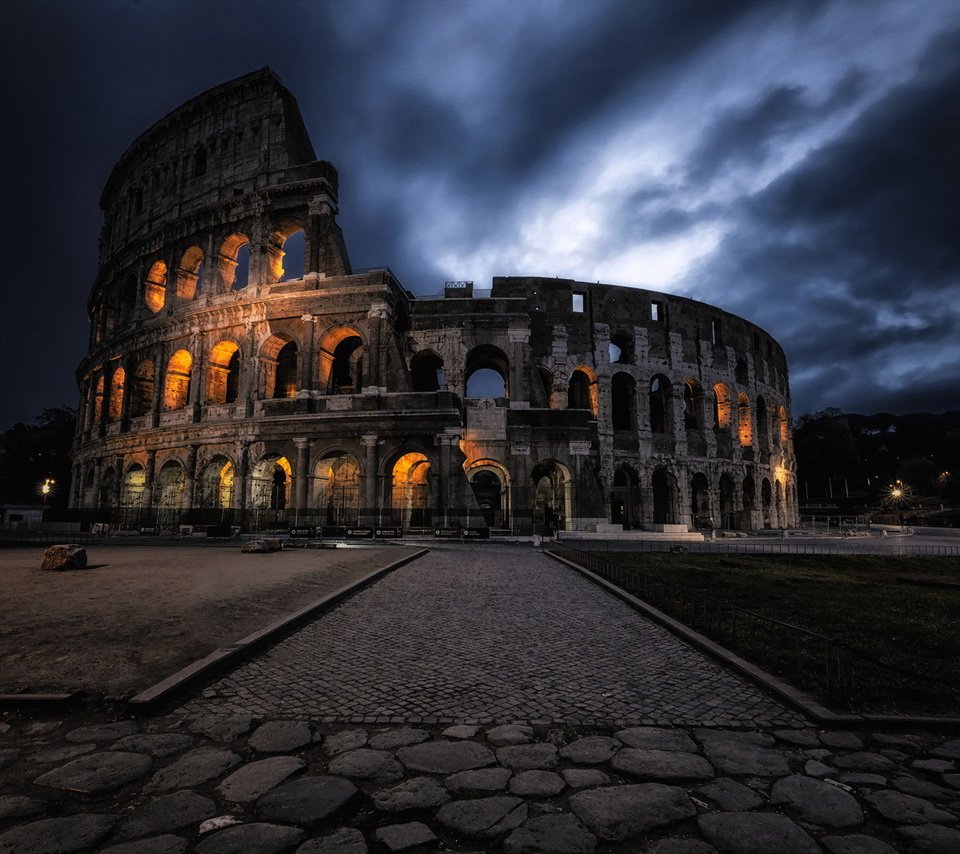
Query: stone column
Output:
(519,348)
(240,496)
(76,483)
(129,367)
(306,366)
(301,477)
(159,377)
(97,476)
(190,477)
(369,514)
(149,472)
(376,352)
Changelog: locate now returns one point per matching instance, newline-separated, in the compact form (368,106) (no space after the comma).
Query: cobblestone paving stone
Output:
(555,788)
(476,635)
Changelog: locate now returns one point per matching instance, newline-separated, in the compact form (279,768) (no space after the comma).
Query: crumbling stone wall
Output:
(222,386)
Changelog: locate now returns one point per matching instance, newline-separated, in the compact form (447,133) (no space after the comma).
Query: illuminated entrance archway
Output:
(410,491)
(270,486)
(552,496)
(490,483)
(216,484)
(336,489)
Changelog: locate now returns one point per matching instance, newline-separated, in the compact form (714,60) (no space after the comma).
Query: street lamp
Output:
(46,488)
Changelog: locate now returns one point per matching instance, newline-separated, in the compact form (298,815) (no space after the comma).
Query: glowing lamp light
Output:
(46,487)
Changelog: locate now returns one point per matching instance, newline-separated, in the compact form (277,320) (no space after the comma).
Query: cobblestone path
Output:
(487,635)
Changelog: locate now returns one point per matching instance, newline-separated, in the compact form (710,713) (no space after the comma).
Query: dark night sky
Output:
(797,163)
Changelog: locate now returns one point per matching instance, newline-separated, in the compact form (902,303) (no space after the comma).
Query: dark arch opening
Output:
(344,375)
(426,372)
(285,384)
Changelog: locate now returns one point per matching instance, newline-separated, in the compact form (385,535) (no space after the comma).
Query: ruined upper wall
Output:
(231,141)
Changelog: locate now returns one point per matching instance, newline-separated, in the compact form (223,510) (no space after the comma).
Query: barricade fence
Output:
(823,664)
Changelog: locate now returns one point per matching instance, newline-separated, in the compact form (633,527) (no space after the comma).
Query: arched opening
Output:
(285,250)
(621,349)
(170,486)
(117,383)
(766,502)
(749,493)
(270,484)
(664,491)
(336,489)
(487,372)
(661,420)
(176,391)
(426,371)
(216,484)
(552,496)
(783,426)
(744,420)
(155,288)
(700,501)
(625,504)
(280,367)
(488,490)
(346,370)
(728,502)
(721,407)
(134,485)
(623,400)
(234,262)
(692,405)
(582,391)
(189,273)
(223,373)
(763,425)
(781,508)
(108,497)
(143,382)
(410,490)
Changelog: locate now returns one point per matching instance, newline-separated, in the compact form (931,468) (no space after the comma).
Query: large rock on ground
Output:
(248,783)
(98,772)
(445,757)
(591,750)
(662,764)
(366,764)
(486,817)
(72,833)
(741,759)
(192,769)
(307,801)
(281,736)
(551,834)
(756,833)
(619,813)
(656,738)
(64,556)
(929,839)
(907,809)
(415,794)
(526,757)
(259,837)
(168,812)
(816,802)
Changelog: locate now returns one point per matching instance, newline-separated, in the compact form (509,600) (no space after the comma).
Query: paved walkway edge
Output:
(798,699)
(221,658)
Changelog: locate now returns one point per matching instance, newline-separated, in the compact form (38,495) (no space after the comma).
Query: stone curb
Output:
(219,659)
(798,699)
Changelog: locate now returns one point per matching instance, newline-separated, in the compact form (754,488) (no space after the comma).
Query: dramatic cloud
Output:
(792,161)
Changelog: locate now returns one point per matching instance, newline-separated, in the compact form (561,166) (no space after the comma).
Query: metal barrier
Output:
(815,660)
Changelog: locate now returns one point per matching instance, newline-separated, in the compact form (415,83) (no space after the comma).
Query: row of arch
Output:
(284,248)
(279,356)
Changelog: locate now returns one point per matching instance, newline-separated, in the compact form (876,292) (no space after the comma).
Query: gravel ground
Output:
(139,613)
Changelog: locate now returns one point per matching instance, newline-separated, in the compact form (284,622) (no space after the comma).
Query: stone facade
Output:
(223,387)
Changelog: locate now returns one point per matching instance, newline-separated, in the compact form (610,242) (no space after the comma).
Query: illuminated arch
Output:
(176,390)
(189,273)
(482,363)
(281,269)
(223,372)
(215,484)
(744,420)
(552,495)
(410,489)
(336,488)
(280,358)
(721,407)
(490,482)
(117,384)
(233,262)
(155,288)
(270,483)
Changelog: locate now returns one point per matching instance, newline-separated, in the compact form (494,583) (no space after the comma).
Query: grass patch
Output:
(898,616)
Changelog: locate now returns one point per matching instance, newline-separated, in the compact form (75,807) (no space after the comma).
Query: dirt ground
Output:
(139,613)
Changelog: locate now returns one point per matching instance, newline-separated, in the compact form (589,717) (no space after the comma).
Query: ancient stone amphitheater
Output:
(241,372)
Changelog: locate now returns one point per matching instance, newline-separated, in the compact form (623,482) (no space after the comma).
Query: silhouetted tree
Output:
(31,453)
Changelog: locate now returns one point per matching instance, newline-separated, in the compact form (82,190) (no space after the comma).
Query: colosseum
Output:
(241,372)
